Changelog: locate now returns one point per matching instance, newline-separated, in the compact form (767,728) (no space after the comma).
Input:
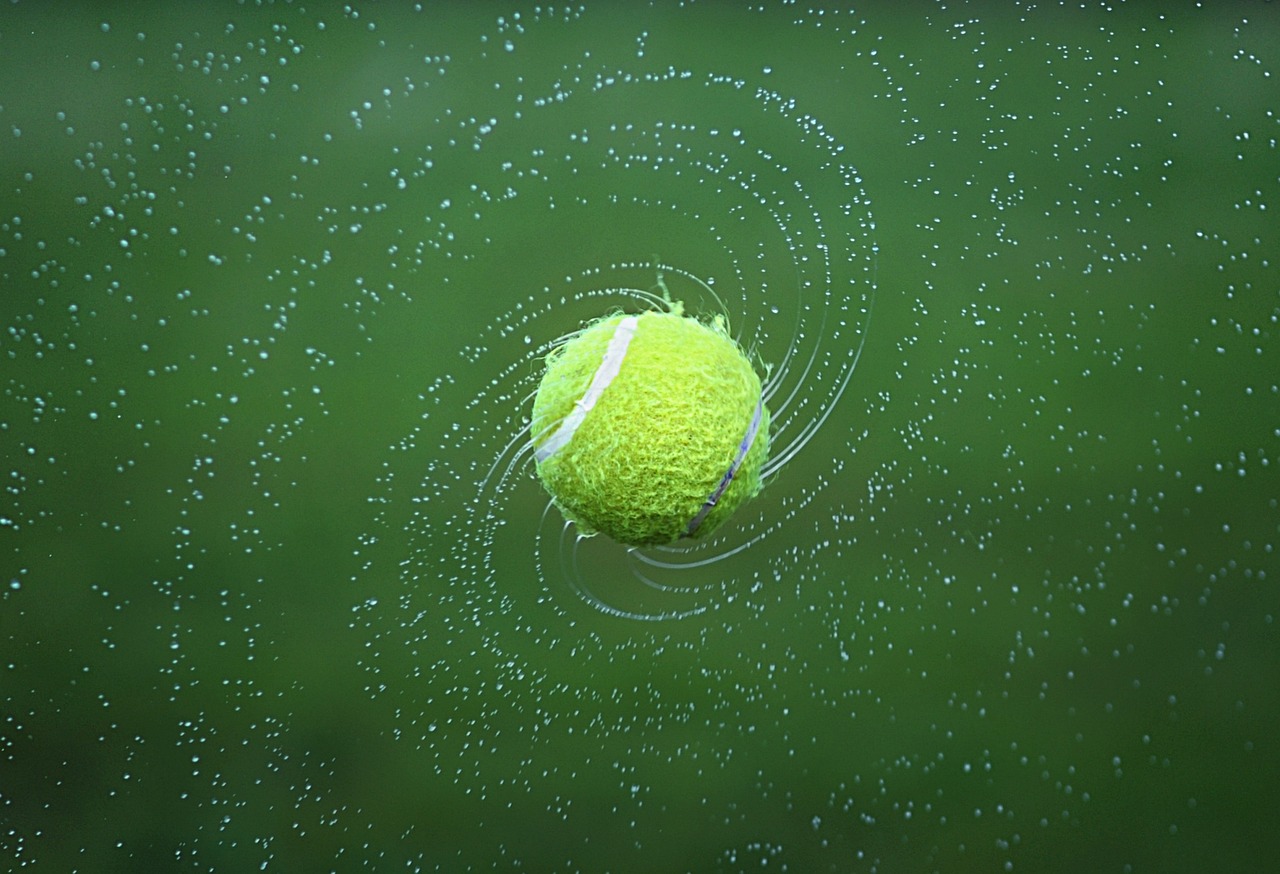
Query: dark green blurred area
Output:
(274,279)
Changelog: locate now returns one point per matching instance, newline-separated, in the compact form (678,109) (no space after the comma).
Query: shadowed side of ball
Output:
(650,428)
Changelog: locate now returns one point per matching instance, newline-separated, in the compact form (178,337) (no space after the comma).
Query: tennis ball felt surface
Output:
(650,428)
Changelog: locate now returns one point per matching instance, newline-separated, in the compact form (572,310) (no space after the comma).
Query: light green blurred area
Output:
(273,282)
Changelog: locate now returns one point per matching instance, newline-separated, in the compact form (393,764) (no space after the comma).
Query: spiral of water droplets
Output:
(580,193)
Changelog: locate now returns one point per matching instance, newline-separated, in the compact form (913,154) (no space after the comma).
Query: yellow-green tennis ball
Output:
(650,428)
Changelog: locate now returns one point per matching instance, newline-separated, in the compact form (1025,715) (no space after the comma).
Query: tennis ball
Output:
(650,428)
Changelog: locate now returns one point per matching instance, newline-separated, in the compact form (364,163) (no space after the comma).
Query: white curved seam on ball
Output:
(614,353)
(743,448)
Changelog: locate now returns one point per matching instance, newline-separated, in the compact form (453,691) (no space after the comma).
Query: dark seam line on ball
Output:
(743,449)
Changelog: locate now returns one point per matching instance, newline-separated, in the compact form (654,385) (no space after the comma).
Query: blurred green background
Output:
(279,591)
